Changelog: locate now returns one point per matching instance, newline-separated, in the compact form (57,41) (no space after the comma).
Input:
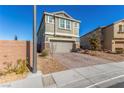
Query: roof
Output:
(102,27)
(122,20)
(91,31)
(118,21)
(58,12)
(61,12)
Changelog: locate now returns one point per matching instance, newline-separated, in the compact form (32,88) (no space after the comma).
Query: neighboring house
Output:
(110,37)
(84,40)
(58,31)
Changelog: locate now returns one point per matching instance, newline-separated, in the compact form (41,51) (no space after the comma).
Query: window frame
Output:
(60,23)
(76,27)
(48,19)
(68,24)
(64,24)
(122,29)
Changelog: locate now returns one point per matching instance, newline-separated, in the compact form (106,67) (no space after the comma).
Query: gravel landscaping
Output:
(104,55)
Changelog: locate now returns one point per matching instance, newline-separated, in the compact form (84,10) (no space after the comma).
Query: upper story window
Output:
(77,25)
(120,28)
(50,19)
(64,24)
(68,25)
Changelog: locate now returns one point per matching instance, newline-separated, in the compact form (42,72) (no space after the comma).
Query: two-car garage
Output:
(61,46)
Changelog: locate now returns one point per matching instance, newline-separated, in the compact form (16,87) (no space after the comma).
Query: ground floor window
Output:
(119,50)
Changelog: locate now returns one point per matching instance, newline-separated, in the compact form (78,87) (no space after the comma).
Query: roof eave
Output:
(62,17)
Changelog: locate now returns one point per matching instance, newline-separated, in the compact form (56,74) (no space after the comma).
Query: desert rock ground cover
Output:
(108,56)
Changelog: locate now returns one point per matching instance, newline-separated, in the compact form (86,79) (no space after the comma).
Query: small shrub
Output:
(86,51)
(2,73)
(9,68)
(44,53)
(21,67)
(76,50)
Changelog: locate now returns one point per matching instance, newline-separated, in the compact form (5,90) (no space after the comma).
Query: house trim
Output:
(72,19)
(62,12)
(61,34)
(118,38)
(62,39)
(65,34)
(49,33)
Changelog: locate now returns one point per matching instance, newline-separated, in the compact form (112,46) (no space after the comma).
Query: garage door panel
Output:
(61,47)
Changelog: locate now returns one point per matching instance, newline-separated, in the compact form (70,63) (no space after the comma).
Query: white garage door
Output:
(61,46)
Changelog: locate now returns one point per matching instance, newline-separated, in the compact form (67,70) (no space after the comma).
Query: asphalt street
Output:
(119,85)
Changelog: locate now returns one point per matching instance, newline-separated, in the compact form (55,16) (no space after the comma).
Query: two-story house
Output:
(58,31)
(110,37)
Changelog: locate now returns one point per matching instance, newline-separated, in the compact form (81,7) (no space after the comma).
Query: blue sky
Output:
(17,20)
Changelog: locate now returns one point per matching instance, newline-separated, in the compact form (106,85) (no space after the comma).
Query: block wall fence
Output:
(12,50)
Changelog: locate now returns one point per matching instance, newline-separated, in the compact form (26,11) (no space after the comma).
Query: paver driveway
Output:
(75,60)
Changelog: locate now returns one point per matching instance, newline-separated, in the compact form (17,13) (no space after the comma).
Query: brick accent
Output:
(11,51)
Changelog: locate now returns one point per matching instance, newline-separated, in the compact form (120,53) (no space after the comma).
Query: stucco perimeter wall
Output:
(11,51)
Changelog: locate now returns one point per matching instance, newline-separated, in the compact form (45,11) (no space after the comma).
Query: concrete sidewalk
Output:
(104,75)
(92,76)
(31,81)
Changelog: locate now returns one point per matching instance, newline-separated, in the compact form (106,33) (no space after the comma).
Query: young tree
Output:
(16,38)
(52,50)
(94,42)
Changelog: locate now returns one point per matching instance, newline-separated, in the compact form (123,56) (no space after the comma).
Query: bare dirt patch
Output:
(49,65)
(108,56)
